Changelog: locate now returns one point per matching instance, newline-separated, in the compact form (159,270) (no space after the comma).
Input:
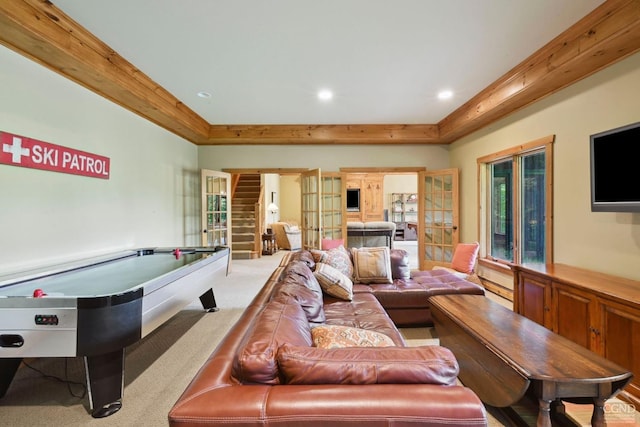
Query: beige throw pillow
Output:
(333,282)
(372,265)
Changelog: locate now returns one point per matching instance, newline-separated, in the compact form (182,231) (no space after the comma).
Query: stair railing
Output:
(235,179)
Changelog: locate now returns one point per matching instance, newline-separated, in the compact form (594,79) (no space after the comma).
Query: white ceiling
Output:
(264,61)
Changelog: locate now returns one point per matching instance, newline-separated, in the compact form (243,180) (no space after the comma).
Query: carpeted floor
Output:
(158,368)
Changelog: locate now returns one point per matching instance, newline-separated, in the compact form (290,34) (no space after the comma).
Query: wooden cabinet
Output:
(534,299)
(619,332)
(573,315)
(371,196)
(598,311)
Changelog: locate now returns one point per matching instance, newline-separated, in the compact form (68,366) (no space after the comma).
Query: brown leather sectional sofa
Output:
(266,371)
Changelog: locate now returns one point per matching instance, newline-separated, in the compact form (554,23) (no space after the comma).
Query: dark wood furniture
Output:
(503,356)
(387,233)
(269,246)
(598,311)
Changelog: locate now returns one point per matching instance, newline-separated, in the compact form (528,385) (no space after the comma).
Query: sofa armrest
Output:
(331,404)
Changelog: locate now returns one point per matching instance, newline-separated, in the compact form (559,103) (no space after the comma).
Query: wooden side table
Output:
(269,246)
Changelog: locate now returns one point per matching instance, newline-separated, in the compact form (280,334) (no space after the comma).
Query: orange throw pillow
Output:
(464,257)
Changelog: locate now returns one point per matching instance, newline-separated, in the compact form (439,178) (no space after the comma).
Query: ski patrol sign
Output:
(26,152)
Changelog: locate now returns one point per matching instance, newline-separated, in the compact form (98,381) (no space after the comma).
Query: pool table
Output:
(96,307)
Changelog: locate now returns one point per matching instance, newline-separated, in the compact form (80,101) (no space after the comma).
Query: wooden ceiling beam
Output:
(608,34)
(42,32)
(323,134)
(39,30)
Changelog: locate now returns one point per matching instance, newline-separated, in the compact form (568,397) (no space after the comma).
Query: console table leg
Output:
(558,407)
(597,419)
(544,416)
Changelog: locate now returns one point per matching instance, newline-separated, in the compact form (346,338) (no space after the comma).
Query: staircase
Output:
(243,217)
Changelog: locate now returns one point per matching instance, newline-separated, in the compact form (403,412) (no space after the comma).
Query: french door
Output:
(323,207)
(438,210)
(216,208)
(333,195)
(311,226)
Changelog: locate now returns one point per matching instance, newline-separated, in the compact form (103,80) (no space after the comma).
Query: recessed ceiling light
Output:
(445,94)
(325,95)
(205,95)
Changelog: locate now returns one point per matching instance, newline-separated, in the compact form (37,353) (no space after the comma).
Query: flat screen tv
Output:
(615,160)
(353,200)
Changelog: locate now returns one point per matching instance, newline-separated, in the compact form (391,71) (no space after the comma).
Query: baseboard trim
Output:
(497,289)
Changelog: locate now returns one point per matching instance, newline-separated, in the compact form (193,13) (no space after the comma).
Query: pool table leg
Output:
(105,382)
(208,301)
(8,369)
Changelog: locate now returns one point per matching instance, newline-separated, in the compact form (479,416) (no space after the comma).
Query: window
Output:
(515,187)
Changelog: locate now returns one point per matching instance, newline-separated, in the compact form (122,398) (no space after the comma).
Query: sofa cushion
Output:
(371,265)
(400,268)
(364,312)
(452,271)
(310,301)
(391,365)
(336,336)
(304,256)
(278,323)
(380,225)
(333,282)
(299,272)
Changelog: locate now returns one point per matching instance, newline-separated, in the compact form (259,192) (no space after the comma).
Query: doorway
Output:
(401,208)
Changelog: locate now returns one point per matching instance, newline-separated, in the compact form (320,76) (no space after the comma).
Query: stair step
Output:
(243,216)
(244,254)
(243,229)
(243,220)
(242,246)
(244,209)
(243,237)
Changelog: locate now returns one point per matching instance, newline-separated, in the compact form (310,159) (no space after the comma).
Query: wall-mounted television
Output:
(615,159)
(353,200)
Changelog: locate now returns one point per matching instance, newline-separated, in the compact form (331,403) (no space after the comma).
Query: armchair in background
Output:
(288,235)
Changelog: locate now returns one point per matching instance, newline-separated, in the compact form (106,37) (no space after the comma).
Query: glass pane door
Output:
(216,209)
(438,228)
(333,227)
(311,206)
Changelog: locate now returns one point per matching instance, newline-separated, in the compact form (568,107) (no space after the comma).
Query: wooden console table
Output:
(599,311)
(503,356)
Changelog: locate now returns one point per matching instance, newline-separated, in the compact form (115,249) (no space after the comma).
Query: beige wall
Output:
(290,198)
(398,184)
(271,184)
(327,157)
(151,199)
(607,242)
